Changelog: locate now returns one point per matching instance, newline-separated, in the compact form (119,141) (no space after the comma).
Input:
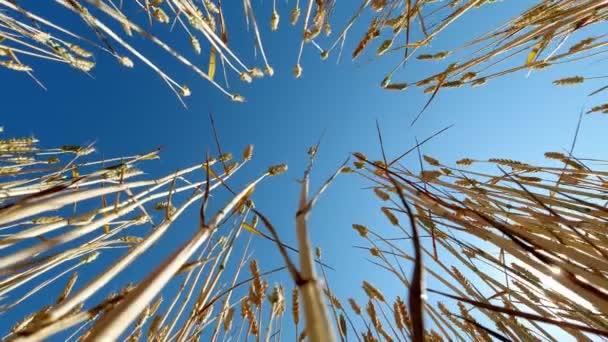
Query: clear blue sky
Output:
(128,111)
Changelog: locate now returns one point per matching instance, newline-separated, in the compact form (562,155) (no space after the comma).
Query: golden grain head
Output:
(569,81)
(468,76)
(79,51)
(184,91)
(371,291)
(297,71)
(479,82)
(295,14)
(256,72)
(381,194)
(276,295)
(555,155)
(15,66)
(211,7)
(237,98)
(424,56)
(390,216)
(359,164)
(295,306)
(160,15)
(453,84)
(360,156)
(601,108)
(327,28)
(47,219)
(430,160)
(245,77)
(276,170)
(342,325)
(384,47)
(465,161)
(385,81)
(540,65)
(126,61)
(361,229)
(248,152)
(378,5)
(353,304)
(582,44)
(268,70)
(89,258)
(441,55)
(196,45)
(429,89)
(429,175)
(228,319)
(274,21)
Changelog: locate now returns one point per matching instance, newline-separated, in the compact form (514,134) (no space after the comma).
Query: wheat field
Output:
(520,252)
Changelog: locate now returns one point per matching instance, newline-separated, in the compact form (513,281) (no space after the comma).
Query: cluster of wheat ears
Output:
(522,251)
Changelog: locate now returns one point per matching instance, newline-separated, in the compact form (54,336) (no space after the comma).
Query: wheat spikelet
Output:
(277,169)
(274,21)
(15,66)
(297,71)
(431,161)
(478,82)
(390,216)
(160,15)
(342,326)
(228,320)
(295,15)
(601,108)
(354,306)
(555,155)
(429,176)
(569,81)
(378,5)
(372,292)
(381,194)
(248,152)
(361,229)
(582,44)
(126,61)
(295,306)
(68,287)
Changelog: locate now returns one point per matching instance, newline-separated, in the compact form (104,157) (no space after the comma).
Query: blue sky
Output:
(128,111)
